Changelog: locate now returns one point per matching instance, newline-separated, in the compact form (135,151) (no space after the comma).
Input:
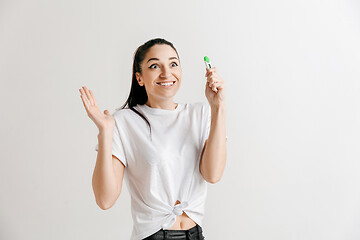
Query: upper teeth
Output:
(167,84)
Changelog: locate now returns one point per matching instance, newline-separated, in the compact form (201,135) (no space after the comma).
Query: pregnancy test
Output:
(208,65)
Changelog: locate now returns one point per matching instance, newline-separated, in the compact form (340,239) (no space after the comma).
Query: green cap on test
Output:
(206,59)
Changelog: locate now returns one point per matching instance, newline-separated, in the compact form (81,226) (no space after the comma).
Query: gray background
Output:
(292,74)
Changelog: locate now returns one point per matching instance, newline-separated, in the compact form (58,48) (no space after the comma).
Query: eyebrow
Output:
(159,59)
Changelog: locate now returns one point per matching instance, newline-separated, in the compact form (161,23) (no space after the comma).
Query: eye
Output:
(151,67)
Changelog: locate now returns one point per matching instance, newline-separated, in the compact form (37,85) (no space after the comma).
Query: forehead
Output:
(162,52)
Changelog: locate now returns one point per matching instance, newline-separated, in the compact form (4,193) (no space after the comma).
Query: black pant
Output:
(194,233)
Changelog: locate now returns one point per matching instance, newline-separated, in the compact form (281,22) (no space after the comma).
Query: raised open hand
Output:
(104,121)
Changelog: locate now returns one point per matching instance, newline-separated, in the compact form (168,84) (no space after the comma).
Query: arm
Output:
(213,157)
(108,173)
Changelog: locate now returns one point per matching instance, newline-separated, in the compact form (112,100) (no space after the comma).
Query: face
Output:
(161,64)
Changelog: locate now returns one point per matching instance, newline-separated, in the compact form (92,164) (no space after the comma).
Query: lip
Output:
(174,82)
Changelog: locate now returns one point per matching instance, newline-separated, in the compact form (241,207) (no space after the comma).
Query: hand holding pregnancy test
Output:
(208,66)
(215,85)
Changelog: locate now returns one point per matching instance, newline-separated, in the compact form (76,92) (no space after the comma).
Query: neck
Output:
(170,105)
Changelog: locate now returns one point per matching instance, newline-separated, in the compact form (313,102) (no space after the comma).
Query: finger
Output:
(212,73)
(213,79)
(83,101)
(208,87)
(211,82)
(93,97)
(219,85)
(89,95)
(84,98)
(208,70)
(213,69)
(214,88)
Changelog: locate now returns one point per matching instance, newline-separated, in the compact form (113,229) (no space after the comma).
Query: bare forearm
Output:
(103,181)
(214,156)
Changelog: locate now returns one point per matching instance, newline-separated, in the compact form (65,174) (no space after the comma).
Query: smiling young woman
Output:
(161,76)
(161,147)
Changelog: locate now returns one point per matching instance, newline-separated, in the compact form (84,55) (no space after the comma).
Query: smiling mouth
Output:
(168,84)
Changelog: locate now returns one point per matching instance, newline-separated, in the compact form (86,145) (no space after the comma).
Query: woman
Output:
(168,149)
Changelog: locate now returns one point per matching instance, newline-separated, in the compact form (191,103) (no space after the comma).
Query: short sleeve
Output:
(117,146)
(206,122)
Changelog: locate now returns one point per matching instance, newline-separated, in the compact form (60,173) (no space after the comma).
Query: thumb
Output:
(106,112)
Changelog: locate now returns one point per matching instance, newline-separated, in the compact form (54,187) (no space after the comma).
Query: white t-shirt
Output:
(163,167)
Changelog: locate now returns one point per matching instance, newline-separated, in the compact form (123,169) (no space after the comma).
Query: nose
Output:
(165,72)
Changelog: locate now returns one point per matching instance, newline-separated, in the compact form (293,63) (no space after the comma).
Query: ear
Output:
(138,78)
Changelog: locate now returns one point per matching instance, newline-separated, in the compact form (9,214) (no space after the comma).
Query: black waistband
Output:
(166,233)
